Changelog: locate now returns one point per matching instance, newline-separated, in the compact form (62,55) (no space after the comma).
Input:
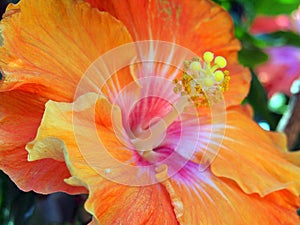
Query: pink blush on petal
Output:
(147,111)
(268,24)
(281,70)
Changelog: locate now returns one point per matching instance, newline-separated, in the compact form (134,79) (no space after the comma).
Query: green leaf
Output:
(257,98)
(251,53)
(252,56)
(275,7)
(22,208)
(224,3)
(283,38)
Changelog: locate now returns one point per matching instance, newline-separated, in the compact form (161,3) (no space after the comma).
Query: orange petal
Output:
(20,115)
(263,166)
(143,203)
(112,203)
(280,140)
(245,109)
(83,131)
(207,199)
(175,20)
(238,85)
(52,43)
(197,25)
(136,205)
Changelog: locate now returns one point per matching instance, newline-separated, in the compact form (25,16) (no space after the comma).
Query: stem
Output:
(290,122)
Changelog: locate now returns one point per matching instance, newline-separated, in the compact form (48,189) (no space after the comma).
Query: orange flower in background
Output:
(48,47)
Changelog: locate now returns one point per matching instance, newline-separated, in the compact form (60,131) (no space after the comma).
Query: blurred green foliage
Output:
(274,7)
(21,208)
(261,7)
(252,53)
(281,38)
(16,207)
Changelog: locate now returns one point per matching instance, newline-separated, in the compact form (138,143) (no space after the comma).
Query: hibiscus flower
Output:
(268,24)
(282,68)
(144,152)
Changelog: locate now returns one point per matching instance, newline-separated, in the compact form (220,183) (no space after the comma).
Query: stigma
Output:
(204,80)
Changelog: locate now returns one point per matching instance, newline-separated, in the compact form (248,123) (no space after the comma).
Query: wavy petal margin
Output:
(138,204)
(20,115)
(256,159)
(52,43)
(207,199)
(47,46)
(222,199)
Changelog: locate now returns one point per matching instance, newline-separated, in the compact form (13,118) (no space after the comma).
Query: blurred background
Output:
(269,32)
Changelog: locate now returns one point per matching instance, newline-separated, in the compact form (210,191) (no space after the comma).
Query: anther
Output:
(219,76)
(208,82)
(203,80)
(208,56)
(195,66)
(220,61)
